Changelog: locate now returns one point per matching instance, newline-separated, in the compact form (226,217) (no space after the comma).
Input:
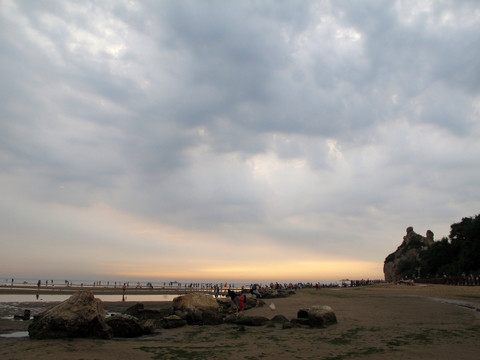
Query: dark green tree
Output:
(465,242)
(458,254)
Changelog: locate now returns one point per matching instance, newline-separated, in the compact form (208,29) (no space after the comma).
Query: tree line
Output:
(457,255)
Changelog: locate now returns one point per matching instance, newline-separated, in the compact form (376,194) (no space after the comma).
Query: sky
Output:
(254,140)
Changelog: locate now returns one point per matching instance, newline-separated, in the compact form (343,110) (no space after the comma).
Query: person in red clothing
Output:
(242,302)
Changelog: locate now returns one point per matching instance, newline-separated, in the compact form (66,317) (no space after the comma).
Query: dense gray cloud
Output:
(326,126)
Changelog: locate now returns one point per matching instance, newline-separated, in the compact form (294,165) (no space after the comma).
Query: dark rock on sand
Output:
(25,316)
(172,321)
(317,316)
(126,326)
(82,315)
(281,319)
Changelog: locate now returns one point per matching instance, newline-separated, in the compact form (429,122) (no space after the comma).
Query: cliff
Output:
(404,261)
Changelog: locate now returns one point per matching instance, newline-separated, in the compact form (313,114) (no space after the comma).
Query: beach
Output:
(383,321)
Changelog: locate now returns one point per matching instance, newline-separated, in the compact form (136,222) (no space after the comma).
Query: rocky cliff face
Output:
(405,258)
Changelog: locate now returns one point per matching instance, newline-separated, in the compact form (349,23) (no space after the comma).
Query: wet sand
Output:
(376,322)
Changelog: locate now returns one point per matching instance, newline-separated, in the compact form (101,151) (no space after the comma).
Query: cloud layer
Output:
(176,138)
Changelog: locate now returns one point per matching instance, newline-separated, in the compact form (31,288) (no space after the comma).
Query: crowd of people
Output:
(221,288)
(460,280)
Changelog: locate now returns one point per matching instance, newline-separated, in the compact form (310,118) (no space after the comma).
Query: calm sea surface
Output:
(10,298)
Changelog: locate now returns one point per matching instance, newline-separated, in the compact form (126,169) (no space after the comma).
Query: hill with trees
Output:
(455,256)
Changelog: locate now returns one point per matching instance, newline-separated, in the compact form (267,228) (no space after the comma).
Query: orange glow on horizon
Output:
(292,270)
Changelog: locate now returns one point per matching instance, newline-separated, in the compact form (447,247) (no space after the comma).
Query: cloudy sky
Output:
(233,139)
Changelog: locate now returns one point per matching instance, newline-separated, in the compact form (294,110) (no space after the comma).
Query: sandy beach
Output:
(382,321)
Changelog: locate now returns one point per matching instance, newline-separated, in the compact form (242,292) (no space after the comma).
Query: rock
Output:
(317,316)
(125,326)
(279,319)
(268,293)
(403,261)
(134,310)
(252,302)
(198,309)
(194,300)
(172,321)
(288,325)
(141,313)
(81,315)
(25,316)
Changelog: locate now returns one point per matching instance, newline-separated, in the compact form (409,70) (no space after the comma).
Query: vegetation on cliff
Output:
(455,255)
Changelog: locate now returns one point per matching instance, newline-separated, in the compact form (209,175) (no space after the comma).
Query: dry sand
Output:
(376,322)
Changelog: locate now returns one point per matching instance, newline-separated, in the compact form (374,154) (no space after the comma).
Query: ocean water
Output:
(16,298)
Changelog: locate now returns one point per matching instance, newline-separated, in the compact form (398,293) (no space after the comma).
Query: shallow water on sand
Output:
(16,334)
(9,298)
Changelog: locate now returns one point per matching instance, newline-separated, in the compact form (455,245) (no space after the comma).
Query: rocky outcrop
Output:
(198,309)
(81,315)
(405,258)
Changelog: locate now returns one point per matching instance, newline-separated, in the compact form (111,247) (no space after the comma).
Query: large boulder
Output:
(194,300)
(317,316)
(198,309)
(404,261)
(81,315)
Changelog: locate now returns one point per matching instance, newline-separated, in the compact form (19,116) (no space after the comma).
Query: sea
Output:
(175,288)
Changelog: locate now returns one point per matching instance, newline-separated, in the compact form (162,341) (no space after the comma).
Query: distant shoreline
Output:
(19,289)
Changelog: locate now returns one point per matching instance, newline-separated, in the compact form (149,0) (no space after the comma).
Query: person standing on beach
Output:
(254,291)
(234,299)
(242,301)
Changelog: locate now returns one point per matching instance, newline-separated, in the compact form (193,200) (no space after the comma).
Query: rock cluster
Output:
(269,293)
(82,315)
